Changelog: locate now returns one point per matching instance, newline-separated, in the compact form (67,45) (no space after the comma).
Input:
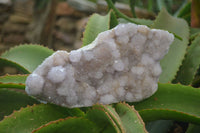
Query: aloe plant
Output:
(173,101)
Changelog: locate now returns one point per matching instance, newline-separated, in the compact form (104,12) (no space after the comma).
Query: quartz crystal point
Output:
(121,64)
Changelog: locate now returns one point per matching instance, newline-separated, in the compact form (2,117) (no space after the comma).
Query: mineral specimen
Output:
(122,64)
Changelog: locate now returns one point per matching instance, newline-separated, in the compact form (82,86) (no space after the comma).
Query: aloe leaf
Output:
(192,128)
(113,114)
(5,63)
(190,64)
(130,118)
(69,125)
(172,102)
(161,4)
(185,12)
(28,56)
(12,100)
(194,32)
(159,126)
(172,61)
(13,81)
(102,117)
(32,117)
(182,9)
(138,20)
(113,20)
(13,78)
(96,24)
(12,85)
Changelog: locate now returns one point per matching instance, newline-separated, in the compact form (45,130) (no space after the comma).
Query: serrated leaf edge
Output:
(187,50)
(98,106)
(59,120)
(170,110)
(183,57)
(18,111)
(19,75)
(26,44)
(23,69)
(136,112)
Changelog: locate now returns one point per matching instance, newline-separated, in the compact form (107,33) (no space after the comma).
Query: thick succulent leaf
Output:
(138,20)
(96,24)
(172,101)
(102,117)
(12,100)
(159,126)
(192,128)
(28,56)
(161,4)
(68,125)
(32,117)
(113,114)
(5,63)
(172,61)
(13,81)
(185,11)
(190,64)
(194,32)
(13,78)
(113,20)
(156,114)
(12,85)
(130,118)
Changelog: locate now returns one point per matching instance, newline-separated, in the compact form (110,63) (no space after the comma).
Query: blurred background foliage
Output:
(59,24)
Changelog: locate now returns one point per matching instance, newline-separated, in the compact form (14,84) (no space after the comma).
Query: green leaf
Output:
(6,63)
(192,128)
(182,9)
(113,114)
(172,102)
(113,20)
(32,117)
(118,13)
(159,126)
(13,81)
(12,85)
(28,56)
(12,100)
(194,32)
(161,4)
(150,5)
(138,20)
(172,61)
(96,24)
(13,78)
(130,118)
(103,119)
(190,64)
(185,11)
(132,6)
(68,125)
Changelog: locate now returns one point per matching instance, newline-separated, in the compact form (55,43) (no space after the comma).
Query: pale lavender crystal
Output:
(122,64)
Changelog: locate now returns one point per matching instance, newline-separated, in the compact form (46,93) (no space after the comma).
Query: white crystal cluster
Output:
(122,64)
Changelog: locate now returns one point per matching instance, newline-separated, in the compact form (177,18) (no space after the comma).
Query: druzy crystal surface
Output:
(121,64)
